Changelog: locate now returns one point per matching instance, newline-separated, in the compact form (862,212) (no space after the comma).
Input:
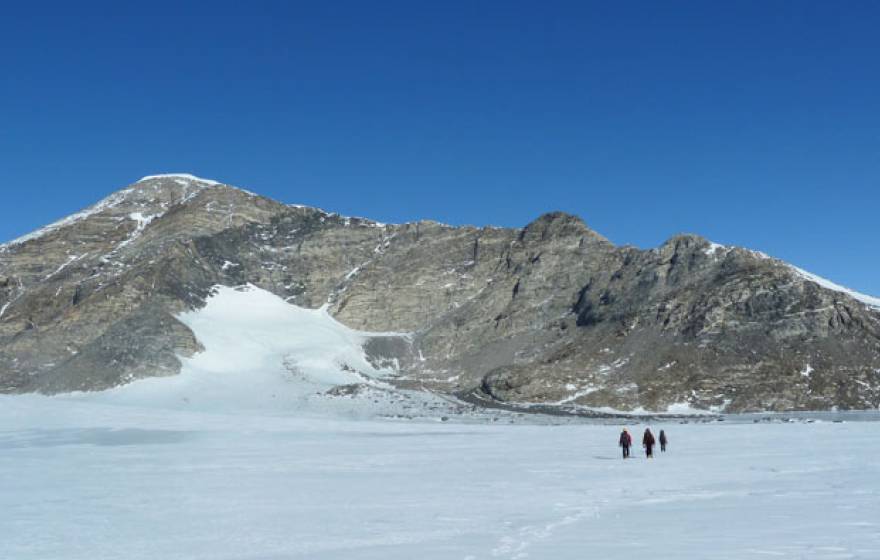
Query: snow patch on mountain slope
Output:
(576,393)
(713,249)
(70,260)
(870,301)
(142,222)
(192,185)
(189,180)
(180,176)
(674,409)
(828,284)
(259,352)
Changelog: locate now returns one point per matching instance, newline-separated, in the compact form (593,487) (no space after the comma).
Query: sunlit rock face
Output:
(550,314)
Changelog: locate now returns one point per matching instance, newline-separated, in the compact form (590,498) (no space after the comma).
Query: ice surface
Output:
(84,480)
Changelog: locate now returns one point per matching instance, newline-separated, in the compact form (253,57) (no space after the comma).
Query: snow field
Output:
(244,457)
(86,480)
(260,353)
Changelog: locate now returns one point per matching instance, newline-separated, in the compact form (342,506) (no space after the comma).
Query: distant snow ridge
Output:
(109,202)
(184,179)
(181,176)
(828,284)
(870,301)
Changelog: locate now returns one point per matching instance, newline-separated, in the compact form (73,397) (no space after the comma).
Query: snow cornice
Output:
(182,176)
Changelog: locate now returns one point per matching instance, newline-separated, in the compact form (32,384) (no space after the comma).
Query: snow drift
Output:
(259,352)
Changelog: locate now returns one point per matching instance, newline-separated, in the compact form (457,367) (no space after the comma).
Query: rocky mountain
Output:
(551,314)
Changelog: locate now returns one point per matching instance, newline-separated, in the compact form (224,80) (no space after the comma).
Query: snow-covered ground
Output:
(81,479)
(249,454)
(264,354)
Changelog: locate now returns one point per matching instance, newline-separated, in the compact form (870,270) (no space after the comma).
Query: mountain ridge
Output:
(516,315)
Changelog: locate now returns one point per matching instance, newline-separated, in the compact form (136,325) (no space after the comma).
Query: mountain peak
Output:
(558,224)
(182,177)
(151,196)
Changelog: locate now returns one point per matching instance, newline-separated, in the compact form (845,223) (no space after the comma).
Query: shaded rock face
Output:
(553,313)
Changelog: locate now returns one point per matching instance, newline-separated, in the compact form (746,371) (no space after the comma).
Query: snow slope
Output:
(866,299)
(260,352)
(82,480)
(714,249)
(186,177)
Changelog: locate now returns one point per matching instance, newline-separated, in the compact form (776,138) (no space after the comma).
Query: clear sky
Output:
(752,123)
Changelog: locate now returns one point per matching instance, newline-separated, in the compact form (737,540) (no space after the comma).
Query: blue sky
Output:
(752,123)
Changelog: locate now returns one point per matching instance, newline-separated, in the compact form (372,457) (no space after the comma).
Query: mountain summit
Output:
(551,314)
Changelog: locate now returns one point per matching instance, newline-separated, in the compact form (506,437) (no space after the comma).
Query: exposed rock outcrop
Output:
(553,313)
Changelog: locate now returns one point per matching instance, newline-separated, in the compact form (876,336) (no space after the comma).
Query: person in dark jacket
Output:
(663,441)
(648,443)
(625,442)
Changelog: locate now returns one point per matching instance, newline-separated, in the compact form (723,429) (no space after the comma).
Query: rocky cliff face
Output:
(553,313)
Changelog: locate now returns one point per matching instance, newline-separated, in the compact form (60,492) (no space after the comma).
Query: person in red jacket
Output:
(625,442)
(648,443)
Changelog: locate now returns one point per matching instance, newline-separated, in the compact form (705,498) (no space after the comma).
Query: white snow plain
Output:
(245,456)
(86,480)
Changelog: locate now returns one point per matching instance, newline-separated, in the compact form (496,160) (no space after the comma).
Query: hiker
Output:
(625,442)
(663,441)
(648,443)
